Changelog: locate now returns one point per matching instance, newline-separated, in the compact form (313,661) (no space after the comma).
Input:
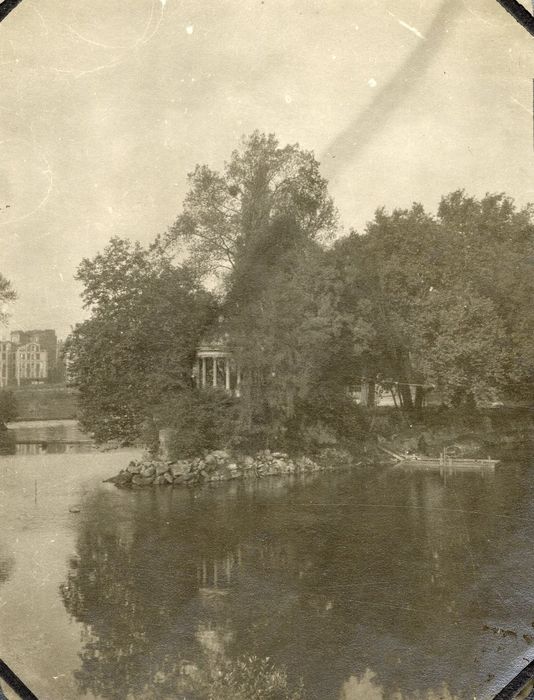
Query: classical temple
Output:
(215,366)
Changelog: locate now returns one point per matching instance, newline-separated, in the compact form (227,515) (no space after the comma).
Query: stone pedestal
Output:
(166,438)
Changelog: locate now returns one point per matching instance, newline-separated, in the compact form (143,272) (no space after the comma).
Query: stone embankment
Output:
(223,466)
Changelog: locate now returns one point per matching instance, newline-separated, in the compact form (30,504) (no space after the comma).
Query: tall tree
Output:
(146,317)
(387,273)
(260,223)
(7,295)
(288,335)
(261,182)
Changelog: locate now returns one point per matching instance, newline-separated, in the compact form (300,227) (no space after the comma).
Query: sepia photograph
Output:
(266,350)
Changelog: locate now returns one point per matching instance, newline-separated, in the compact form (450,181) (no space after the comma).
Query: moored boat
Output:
(445,460)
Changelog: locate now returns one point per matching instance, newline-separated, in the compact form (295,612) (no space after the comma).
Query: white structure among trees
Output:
(215,367)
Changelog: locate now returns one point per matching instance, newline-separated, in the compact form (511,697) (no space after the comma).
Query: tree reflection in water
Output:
(311,574)
(7,442)
(7,564)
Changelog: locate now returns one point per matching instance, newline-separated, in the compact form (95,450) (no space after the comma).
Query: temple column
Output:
(238,381)
(214,372)
(227,373)
(203,384)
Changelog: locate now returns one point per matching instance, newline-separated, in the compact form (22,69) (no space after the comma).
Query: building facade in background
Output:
(31,357)
(31,364)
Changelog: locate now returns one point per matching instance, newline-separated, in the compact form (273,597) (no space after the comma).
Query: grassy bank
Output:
(46,402)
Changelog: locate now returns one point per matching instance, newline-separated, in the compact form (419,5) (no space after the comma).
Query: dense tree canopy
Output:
(138,344)
(445,299)
(262,222)
(288,337)
(261,182)
(438,302)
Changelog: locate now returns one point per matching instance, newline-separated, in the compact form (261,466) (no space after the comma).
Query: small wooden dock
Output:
(447,462)
(444,461)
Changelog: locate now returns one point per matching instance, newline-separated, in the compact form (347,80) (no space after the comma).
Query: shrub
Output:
(201,420)
(8,406)
(328,420)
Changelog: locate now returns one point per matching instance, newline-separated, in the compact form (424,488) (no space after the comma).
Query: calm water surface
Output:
(369,585)
(43,437)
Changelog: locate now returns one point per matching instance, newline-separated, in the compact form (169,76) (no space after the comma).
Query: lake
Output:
(370,585)
(44,437)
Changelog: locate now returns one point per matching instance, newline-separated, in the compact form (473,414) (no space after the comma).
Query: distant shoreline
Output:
(33,422)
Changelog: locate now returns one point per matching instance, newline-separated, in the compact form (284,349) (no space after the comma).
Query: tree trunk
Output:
(419,397)
(404,375)
(371,395)
(405,392)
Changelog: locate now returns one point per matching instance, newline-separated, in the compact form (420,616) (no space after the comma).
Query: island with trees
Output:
(434,308)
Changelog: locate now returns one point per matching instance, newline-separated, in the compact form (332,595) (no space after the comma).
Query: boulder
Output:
(287,468)
(179,469)
(210,465)
(123,478)
(139,480)
(220,455)
(134,468)
(168,477)
(161,468)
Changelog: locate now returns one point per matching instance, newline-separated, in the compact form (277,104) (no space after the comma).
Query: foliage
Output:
(459,341)
(262,221)
(8,406)
(201,421)
(287,336)
(241,679)
(138,344)
(443,300)
(7,295)
(261,182)
(494,249)
(438,301)
(385,274)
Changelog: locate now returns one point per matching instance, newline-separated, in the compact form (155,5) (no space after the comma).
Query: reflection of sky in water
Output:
(368,585)
(368,687)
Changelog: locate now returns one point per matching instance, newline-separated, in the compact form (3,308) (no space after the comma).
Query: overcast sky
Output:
(106,106)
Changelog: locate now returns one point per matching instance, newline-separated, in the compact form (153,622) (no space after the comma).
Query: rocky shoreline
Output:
(501,434)
(221,465)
